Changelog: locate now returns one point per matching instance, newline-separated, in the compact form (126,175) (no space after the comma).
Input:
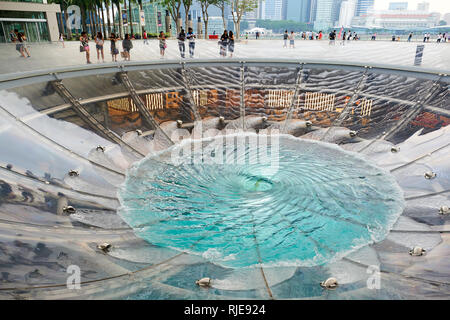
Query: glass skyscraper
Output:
(363,6)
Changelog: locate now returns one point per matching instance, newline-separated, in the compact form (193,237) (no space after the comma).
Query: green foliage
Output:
(278,26)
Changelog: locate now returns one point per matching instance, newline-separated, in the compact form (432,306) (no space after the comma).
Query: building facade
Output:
(35,18)
(154,14)
(298,10)
(326,14)
(398,5)
(423,6)
(397,20)
(347,13)
(273,9)
(363,7)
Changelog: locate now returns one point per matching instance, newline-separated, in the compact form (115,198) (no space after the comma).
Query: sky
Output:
(441,6)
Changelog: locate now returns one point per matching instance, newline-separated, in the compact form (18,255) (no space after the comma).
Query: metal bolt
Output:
(430,175)
(203,282)
(74,173)
(69,209)
(105,247)
(417,251)
(330,283)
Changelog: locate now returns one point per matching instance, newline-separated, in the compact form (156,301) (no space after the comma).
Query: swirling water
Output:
(248,199)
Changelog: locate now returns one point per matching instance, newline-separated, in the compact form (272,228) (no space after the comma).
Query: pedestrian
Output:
(332,37)
(127,45)
(223,44)
(114,51)
(99,46)
(292,40)
(144,36)
(181,39)
(320,35)
(191,38)
(393,37)
(439,38)
(410,36)
(162,44)
(231,43)
(21,38)
(84,46)
(13,35)
(61,39)
(285,38)
(343,38)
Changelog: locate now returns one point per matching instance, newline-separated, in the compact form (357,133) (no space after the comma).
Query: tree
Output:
(187,5)
(130,18)
(238,9)
(117,3)
(221,4)
(204,4)
(173,6)
(140,9)
(442,23)
(107,3)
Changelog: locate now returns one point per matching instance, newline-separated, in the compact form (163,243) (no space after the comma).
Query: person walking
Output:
(231,43)
(332,37)
(114,51)
(13,35)
(181,39)
(320,35)
(343,38)
(84,46)
(292,40)
(99,46)
(285,38)
(145,37)
(191,38)
(410,36)
(22,46)
(127,45)
(162,44)
(223,43)
(61,39)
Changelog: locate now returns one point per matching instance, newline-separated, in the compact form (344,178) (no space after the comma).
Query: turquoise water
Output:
(290,202)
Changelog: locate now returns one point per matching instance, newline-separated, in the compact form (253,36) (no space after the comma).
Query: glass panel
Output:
(3,33)
(156,79)
(27,99)
(399,87)
(94,86)
(373,117)
(324,94)
(216,91)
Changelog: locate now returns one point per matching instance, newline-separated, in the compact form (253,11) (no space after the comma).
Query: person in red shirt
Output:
(320,35)
(144,36)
